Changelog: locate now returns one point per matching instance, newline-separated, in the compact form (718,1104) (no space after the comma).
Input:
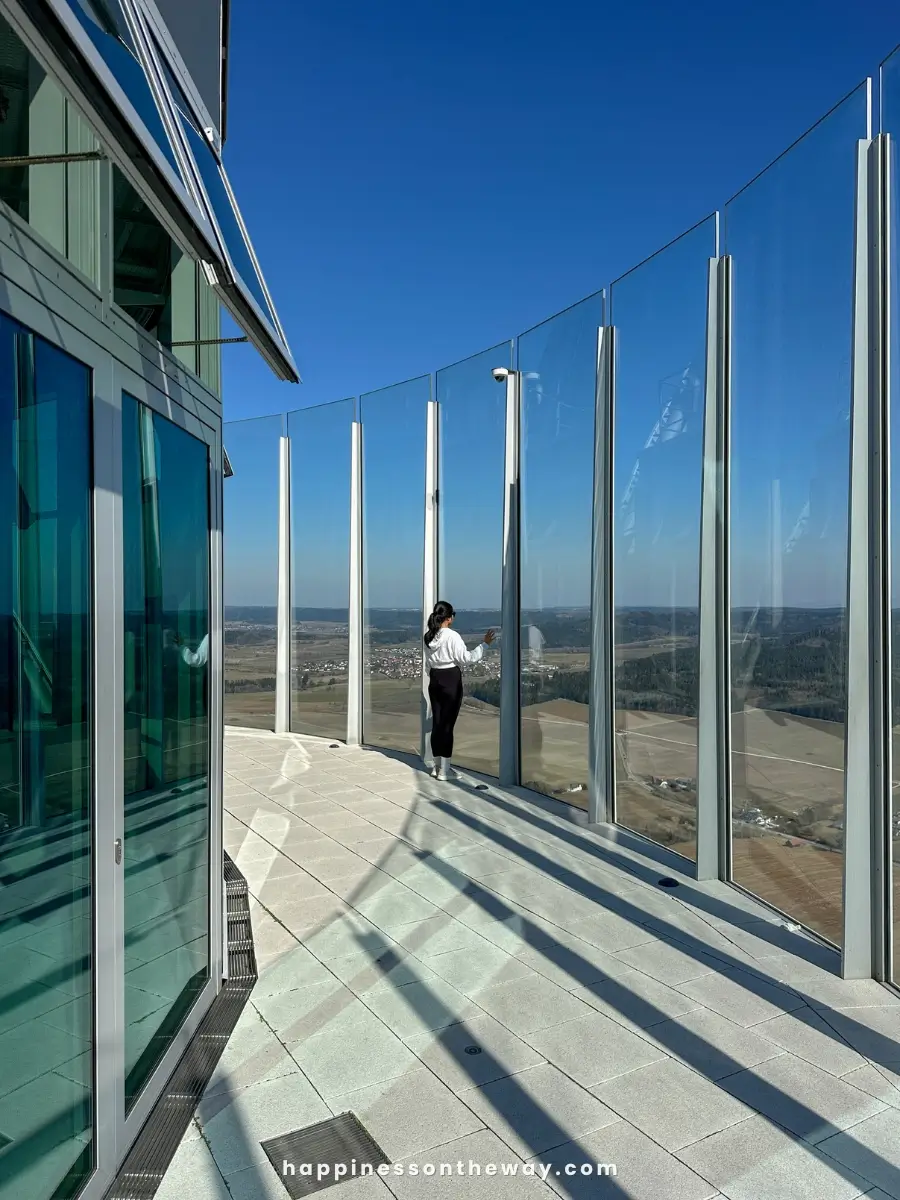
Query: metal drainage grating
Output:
(306,1160)
(147,1161)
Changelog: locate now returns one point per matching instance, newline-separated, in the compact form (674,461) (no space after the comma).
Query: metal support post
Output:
(867,782)
(510,614)
(432,555)
(602,716)
(355,616)
(285,616)
(714,698)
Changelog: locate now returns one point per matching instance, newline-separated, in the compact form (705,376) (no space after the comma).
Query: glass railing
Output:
(320,545)
(251,571)
(733,340)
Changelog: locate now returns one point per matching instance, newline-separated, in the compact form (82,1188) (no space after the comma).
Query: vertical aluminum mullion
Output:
(602,714)
(284,617)
(714,699)
(510,617)
(884,857)
(108,743)
(431,555)
(218,921)
(864,778)
(355,615)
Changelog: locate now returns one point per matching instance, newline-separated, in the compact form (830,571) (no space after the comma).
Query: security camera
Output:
(500,373)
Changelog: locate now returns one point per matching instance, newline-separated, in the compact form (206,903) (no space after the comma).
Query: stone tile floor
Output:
(687,1036)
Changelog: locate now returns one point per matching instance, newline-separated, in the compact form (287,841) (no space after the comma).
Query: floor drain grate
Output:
(311,1159)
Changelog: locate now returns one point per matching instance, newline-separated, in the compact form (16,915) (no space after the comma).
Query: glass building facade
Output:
(115,262)
(669,501)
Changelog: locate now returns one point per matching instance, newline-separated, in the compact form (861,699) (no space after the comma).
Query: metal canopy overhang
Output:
(57,39)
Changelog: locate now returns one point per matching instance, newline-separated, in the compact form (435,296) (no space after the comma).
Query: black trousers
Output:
(445,691)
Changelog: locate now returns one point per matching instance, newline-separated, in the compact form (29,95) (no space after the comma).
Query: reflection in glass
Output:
(472,448)
(46,991)
(558,362)
(320,531)
(659,313)
(393,431)
(166,860)
(251,571)
(60,201)
(890,124)
(223,211)
(791,237)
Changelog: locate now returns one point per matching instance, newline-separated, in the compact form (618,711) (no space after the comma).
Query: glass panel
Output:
(473,447)
(890,123)
(558,361)
(320,530)
(223,211)
(60,201)
(128,73)
(393,559)
(790,234)
(659,313)
(166,540)
(251,571)
(146,264)
(46,992)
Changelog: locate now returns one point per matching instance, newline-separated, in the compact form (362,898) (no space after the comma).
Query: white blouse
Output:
(449,650)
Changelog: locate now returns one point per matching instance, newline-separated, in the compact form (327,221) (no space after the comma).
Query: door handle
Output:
(117,850)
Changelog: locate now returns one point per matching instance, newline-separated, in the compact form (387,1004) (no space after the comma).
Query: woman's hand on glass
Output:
(489,637)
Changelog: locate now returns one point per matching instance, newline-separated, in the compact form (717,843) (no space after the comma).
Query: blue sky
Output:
(421,184)
(423,181)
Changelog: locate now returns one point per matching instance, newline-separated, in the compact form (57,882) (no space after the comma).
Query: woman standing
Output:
(445,654)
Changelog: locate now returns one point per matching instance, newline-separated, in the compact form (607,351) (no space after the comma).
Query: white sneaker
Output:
(443,770)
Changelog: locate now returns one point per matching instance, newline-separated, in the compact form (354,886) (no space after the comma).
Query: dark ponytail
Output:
(439,614)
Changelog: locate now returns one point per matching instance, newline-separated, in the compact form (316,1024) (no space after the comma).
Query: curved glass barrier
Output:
(791,234)
(558,362)
(251,571)
(472,452)
(320,534)
(659,314)
(393,422)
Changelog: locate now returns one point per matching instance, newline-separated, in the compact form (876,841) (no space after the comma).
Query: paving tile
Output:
(253,1054)
(449,1052)
(528,1004)
(537,1108)
(593,1048)
(807,1034)
(478,862)
(874,1032)
(741,996)
(193,1172)
(484,1149)
(829,992)
(396,905)
(872,1149)
(635,1000)
(393,968)
(353,1050)
(801,1097)
(877,1081)
(756,1160)
(669,963)
(439,935)
(644,1171)
(671,1103)
(470,971)
(303,1010)
(571,962)
(281,969)
(712,1045)
(410,1115)
(611,932)
(353,934)
(420,1007)
(235,1124)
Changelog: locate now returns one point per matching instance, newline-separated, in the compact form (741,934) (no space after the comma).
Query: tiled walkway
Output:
(481,979)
